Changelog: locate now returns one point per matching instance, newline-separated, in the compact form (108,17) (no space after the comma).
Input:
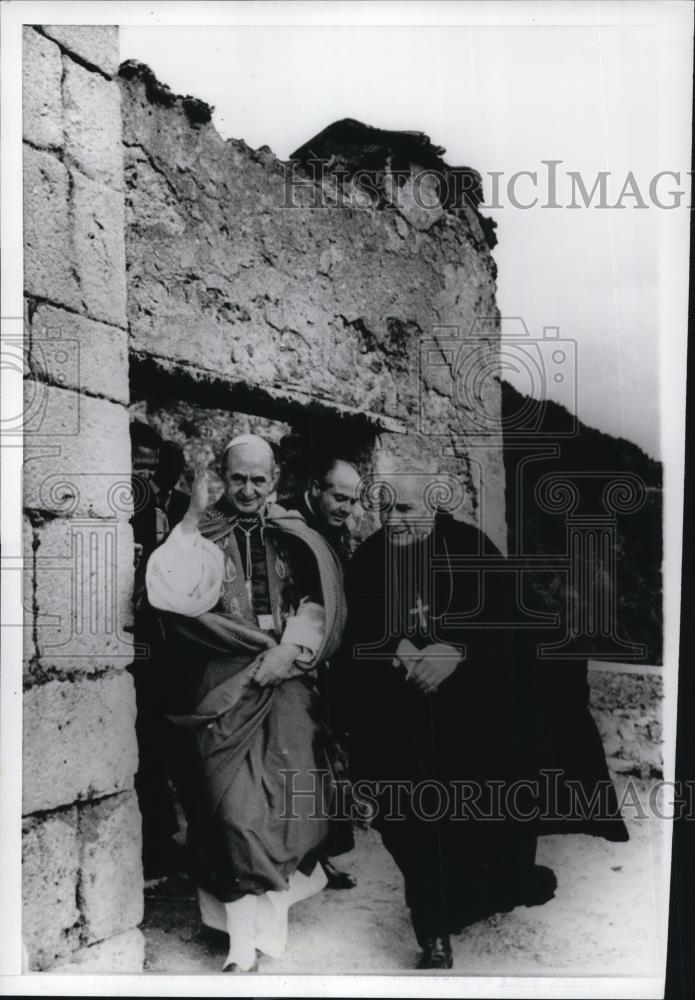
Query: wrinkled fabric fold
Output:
(254,744)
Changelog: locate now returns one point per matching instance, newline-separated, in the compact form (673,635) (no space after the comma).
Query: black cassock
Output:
(470,750)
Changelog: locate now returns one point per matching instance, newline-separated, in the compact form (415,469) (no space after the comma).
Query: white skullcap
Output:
(254,439)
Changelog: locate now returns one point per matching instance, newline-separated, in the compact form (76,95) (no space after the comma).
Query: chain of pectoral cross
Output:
(249,562)
(420,611)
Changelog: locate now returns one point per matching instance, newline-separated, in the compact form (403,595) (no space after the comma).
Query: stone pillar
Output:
(82,877)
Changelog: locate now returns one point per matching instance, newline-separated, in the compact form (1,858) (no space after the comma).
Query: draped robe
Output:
(250,744)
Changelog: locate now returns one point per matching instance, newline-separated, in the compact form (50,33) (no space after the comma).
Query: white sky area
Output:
(499,99)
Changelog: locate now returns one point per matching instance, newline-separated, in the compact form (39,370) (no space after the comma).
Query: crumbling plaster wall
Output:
(237,272)
(82,876)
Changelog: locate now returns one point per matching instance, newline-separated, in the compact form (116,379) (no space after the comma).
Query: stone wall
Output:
(82,877)
(289,296)
(627,705)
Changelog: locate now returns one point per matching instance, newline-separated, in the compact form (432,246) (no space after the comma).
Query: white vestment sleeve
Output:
(306,628)
(185,574)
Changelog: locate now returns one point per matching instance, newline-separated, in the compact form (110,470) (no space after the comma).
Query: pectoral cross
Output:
(420,610)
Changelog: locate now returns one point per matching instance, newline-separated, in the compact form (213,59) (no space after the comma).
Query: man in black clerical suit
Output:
(328,501)
(159,507)
(326,505)
(438,705)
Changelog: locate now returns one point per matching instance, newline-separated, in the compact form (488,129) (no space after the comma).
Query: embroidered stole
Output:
(235,598)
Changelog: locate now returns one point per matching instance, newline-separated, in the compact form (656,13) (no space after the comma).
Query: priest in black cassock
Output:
(327,503)
(157,466)
(437,708)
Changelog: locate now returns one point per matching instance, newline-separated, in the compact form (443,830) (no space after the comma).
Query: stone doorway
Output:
(202,417)
(199,419)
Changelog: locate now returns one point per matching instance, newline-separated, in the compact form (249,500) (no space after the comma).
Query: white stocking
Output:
(241,927)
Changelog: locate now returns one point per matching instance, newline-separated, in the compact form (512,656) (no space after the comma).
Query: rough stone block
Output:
(92,123)
(74,352)
(641,692)
(76,453)
(96,44)
(79,740)
(118,955)
(111,884)
(42,107)
(608,730)
(627,708)
(50,917)
(48,255)
(99,247)
(83,595)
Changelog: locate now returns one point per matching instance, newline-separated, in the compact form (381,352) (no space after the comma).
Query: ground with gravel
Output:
(602,920)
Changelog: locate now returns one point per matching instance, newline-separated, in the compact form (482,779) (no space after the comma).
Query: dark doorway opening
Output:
(176,411)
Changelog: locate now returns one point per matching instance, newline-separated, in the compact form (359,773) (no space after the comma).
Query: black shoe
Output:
(436,954)
(336,878)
